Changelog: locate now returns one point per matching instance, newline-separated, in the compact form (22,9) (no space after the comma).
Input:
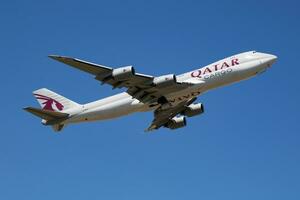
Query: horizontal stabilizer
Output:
(46,114)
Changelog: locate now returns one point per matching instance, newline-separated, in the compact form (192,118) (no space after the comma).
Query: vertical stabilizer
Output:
(50,100)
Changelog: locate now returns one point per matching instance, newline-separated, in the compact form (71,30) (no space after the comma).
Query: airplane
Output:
(171,97)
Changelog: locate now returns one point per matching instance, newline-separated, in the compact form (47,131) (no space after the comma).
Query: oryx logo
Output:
(47,102)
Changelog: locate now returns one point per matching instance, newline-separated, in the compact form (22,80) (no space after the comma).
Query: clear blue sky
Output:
(246,145)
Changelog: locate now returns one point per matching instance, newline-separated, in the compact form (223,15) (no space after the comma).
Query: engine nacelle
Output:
(123,73)
(176,122)
(165,81)
(194,109)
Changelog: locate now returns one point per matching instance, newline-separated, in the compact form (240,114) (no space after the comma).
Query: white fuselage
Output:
(229,70)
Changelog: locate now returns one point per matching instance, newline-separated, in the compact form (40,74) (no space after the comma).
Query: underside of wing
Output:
(146,88)
(85,66)
(118,78)
(167,117)
(105,74)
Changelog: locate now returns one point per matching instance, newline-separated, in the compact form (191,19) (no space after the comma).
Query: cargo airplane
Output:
(171,97)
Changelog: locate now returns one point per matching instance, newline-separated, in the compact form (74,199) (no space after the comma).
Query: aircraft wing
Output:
(162,116)
(140,86)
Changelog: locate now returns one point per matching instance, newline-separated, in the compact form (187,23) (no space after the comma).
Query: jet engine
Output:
(123,73)
(176,122)
(193,109)
(165,80)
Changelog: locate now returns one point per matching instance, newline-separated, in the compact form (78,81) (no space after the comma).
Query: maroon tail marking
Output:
(49,102)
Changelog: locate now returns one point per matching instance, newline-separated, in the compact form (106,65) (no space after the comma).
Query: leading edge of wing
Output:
(89,67)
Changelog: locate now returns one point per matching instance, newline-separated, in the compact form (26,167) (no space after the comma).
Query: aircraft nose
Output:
(271,59)
(268,59)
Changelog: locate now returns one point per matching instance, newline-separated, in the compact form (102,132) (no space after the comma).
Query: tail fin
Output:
(52,101)
(54,108)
